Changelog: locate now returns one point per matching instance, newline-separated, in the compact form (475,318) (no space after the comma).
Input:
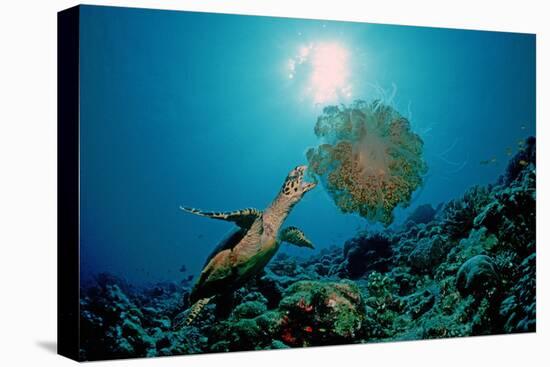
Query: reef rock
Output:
(112,323)
(121,321)
(477,276)
(511,216)
(525,158)
(310,313)
(429,252)
(366,253)
(422,214)
(479,242)
(320,313)
(459,214)
(519,309)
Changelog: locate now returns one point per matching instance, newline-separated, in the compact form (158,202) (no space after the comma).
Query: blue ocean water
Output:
(198,109)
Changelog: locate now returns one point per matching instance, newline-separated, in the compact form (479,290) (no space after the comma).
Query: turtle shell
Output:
(228,242)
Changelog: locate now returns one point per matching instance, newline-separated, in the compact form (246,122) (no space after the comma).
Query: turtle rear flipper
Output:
(296,237)
(185,319)
(243,218)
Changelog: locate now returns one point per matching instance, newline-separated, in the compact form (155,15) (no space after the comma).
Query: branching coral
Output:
(370,160)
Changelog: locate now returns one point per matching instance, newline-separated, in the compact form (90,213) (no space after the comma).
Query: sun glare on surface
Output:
(325,70)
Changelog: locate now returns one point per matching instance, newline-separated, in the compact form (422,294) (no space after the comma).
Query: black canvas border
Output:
(68,216)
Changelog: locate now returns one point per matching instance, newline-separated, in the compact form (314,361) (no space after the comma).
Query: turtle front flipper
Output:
(243,218)
(296,237)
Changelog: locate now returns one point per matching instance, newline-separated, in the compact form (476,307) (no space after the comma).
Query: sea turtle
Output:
(246,250)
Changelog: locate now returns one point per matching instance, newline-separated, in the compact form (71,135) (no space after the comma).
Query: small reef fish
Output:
(523,163)
(183,269)
(488,161)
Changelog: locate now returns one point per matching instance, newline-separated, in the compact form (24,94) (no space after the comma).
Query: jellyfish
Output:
(369,159)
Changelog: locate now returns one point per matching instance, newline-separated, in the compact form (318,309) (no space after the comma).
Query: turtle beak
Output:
(306,186)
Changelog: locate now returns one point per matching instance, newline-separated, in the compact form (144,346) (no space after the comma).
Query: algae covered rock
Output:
(245,329)
(477,276)
(310,313)
(384,306)
(479,242)
(429,252)
(317,313)
(249,309)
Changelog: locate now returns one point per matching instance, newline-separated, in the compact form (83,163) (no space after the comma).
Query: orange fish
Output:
(308,329)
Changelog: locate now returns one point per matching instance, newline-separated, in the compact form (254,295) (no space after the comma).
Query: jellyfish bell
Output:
(369,159)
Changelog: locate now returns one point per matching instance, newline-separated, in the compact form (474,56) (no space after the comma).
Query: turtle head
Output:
(294,186)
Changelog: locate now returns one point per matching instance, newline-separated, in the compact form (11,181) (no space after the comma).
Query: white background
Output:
(28,183)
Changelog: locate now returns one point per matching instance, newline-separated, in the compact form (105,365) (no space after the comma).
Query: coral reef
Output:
(326,312)
(429,252)
(525,157)
(469,270)
(366,253)
(118,321)
(310,313)
(459,214)
(422,214)
(519,308)
(370,161)
(477,276)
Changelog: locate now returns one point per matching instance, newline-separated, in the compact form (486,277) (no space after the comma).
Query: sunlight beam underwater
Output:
(325,66)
